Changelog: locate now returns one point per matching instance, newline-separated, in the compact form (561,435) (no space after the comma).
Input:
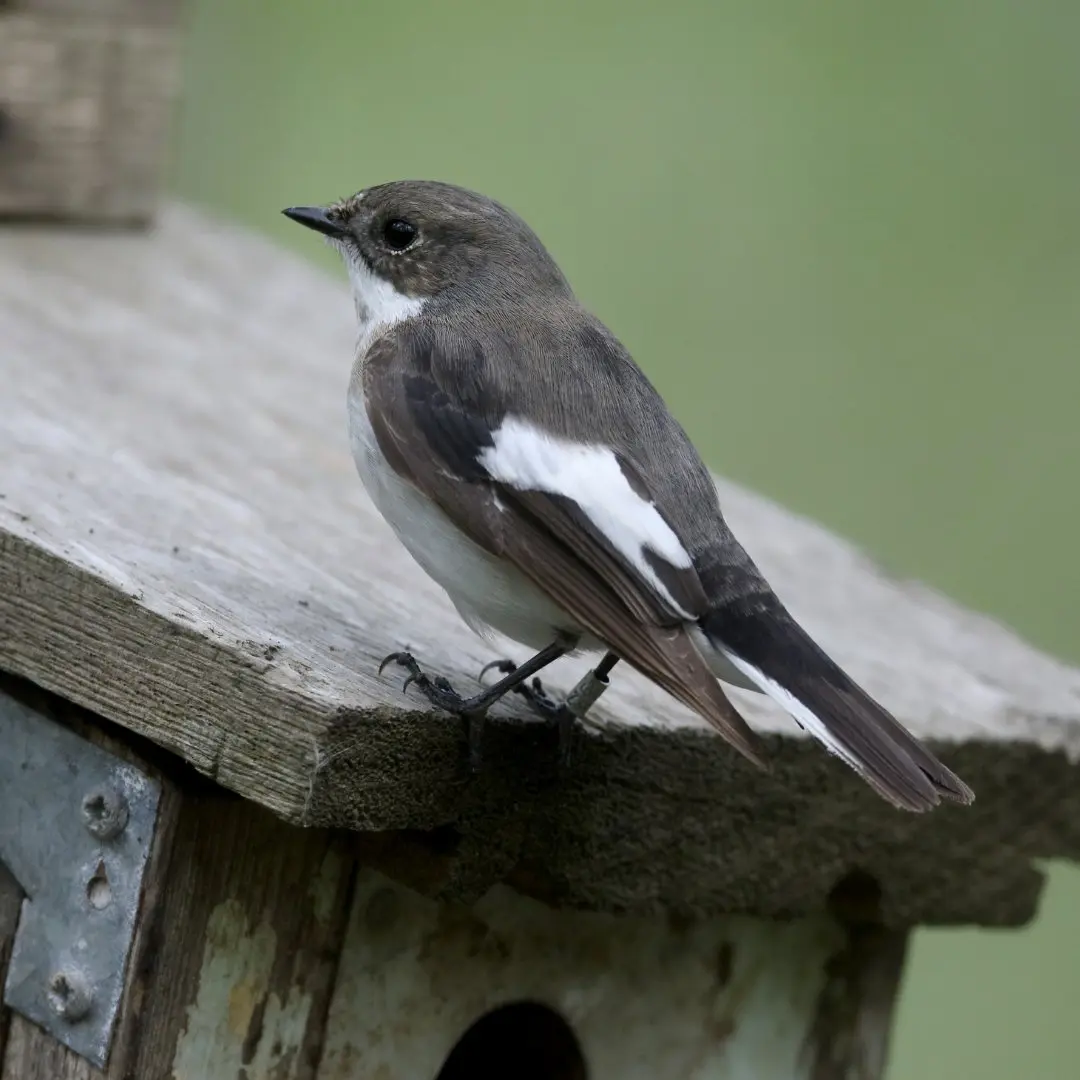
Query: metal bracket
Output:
(76,825)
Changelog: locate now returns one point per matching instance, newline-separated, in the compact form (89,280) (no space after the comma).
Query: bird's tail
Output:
(758,636)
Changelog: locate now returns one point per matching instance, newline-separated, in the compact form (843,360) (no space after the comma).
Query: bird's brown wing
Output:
(437,434)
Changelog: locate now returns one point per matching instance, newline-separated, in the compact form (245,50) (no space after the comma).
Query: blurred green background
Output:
(843,239)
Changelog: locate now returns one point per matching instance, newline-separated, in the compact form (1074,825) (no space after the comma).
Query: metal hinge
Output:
(76,825)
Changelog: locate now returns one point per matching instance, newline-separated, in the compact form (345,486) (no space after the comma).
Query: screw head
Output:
(104,812)
(70,995)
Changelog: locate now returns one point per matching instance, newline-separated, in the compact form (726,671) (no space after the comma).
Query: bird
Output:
(529,466)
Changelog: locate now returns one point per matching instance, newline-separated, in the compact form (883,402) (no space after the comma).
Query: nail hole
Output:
(99,890)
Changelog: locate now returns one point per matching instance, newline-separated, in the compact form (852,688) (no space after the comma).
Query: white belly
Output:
(486,591)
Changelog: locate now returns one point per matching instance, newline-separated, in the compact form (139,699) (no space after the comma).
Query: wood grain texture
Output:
(10,903)
(659,998)
(849,1038)
(185,548)
(86,91)
(237,942)
(33,1054)
(247,942)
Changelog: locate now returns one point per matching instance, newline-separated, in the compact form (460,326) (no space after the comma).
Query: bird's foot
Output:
(540,701)
(437,690)
(442,695)
(533,692)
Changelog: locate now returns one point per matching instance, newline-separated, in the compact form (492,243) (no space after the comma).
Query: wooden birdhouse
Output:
(229,850)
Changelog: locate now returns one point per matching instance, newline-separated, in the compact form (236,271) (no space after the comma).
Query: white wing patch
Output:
(794,707)
(529,459)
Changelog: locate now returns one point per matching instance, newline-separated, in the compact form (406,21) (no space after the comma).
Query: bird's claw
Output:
(442,695)
(405,659)
(535,694)
(505,667)
(533,691)
(415,672)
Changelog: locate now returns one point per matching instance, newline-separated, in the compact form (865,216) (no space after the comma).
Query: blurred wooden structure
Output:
(86,88)
(248,856)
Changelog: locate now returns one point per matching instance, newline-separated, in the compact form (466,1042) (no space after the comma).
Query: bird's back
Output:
(562,364)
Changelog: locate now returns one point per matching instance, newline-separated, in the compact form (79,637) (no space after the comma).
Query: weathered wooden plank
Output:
(247,939)
(181,523)
(237,942)
(10,902)
(658,998)
(86,89)
(32,1054)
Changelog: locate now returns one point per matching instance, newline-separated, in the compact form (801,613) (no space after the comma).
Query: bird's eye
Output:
(398,234)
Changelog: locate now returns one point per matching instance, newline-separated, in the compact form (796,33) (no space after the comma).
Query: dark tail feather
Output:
(763,641)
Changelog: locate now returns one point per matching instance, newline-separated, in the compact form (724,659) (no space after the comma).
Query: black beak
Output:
(315,217)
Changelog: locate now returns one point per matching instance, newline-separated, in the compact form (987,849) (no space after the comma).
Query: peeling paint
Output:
(237,1026)
(325,885)
(731,998)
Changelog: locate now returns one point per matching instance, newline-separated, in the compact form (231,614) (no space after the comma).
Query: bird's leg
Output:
(532,690)
(578,702)
(441,694)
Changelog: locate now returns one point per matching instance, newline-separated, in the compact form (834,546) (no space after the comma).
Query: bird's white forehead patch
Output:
(527,458)
(378,304)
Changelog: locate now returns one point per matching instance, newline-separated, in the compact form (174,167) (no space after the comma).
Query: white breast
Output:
(486,591)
